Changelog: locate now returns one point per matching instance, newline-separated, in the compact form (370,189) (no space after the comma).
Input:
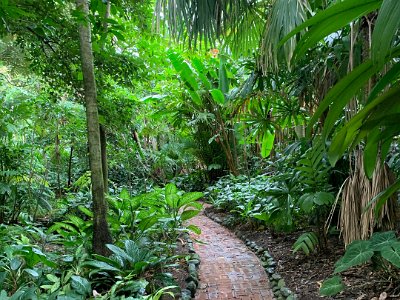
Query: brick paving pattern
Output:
(228,270)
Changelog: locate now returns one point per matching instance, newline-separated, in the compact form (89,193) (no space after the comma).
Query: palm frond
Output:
(203,21)
(285,16)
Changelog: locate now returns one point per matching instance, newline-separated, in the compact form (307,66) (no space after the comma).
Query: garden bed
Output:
(303,274)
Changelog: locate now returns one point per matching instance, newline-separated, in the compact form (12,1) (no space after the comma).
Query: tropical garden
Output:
(120,118)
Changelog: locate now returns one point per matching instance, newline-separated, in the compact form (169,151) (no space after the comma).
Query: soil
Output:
(304,274)
(179,270)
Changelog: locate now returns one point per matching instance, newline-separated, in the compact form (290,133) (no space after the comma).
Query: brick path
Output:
(228,270)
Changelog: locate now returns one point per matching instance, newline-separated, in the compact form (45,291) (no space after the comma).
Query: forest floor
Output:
(304,274)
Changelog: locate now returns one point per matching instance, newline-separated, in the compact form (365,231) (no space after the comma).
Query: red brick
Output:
(228,270)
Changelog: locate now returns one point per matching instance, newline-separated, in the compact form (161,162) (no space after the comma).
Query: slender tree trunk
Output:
(101,232)
(58,163)
(103,142)
(71,151)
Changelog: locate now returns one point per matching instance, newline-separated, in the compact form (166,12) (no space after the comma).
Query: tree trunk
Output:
(101,232)
(71,151)
(103,142)
(58,164)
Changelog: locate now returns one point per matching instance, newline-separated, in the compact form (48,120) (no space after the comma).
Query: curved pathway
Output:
(228,270)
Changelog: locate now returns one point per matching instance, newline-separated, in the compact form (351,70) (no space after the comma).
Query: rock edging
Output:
(192,281)
(278,285)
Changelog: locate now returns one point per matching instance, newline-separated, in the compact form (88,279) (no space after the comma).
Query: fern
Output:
(307,242)
(312,167)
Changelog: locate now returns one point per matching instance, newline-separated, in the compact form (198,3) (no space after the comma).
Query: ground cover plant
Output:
(118,116)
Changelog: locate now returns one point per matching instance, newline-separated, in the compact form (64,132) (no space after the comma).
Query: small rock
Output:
(276,277)
(285,292)
(191,286)
(196,256)
(192,268)
(265,264)
(281,283)
(196,262)
(271,262)
(186,294)
(270,271)
(267,255)
(193,279)
(276,289)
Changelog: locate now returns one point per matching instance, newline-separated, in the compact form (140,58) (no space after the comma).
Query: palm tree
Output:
(371,120)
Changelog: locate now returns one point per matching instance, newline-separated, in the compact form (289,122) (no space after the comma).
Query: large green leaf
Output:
(371,151)
(306,202)
(391,76)
(190,197)
(188,214)
(386,26)
(383,196)
(330,20)
(81,285)
(332,286)
(324,198)
(194,229)
(267,143)
(381,240)
(218,96)
(223,84)
(357,253)
(119,252)
(348,134)
(392,253)
(340,94)
(100,266)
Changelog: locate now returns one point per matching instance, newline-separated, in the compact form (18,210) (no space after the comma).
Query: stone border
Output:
(278,285)
(192,281)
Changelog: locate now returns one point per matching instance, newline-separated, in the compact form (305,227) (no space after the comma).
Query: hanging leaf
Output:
(388,78)
(383,196)
(196,98)
(349,133)
(267,143)
(223,83)
(386,26)
(218,96)
(330,20)
(371,152)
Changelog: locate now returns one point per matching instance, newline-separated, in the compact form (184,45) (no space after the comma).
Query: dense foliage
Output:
(117,115)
